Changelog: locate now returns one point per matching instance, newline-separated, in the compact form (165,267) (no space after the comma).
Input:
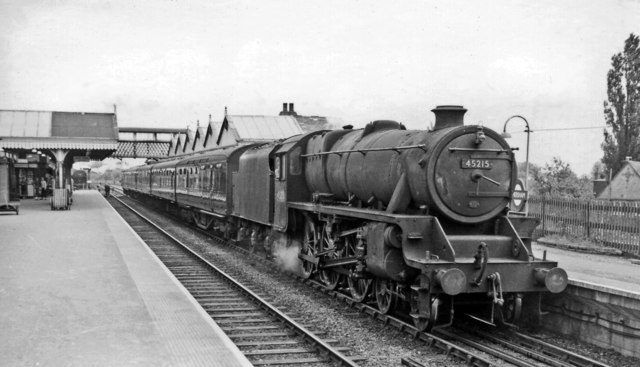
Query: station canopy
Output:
(95,133)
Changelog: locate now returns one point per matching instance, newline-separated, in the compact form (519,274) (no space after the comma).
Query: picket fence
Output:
(612,223)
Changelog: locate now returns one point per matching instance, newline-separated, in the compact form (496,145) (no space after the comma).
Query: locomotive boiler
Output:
(436,169)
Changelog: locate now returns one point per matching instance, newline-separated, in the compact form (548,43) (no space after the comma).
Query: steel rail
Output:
(492,351)
(331,352)
(571,356)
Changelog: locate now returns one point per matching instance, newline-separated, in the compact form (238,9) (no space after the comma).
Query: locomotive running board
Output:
(423,230)
(368,214)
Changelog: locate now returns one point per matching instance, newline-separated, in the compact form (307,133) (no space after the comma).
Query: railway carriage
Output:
(136,180)
(405,217)
(162,180)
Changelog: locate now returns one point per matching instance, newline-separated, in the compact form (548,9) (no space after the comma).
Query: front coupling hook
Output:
(497,289)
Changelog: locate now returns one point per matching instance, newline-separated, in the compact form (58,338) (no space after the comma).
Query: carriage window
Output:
(223,179)
(214,179)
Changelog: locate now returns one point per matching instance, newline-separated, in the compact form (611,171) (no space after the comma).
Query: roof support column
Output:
(60,155)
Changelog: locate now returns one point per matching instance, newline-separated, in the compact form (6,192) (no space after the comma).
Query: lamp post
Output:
(506,135)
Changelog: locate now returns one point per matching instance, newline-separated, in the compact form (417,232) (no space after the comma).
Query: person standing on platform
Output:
(43,188)
(50,184)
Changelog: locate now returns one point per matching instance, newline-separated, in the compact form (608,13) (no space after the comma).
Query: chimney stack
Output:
(448,116)
(291,109)
(284,109)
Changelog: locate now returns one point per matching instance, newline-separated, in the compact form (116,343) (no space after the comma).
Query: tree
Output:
(534,170)
(558,179)
(599,171)
(622,106)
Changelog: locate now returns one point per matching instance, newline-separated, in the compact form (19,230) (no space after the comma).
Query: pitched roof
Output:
(187,140)
(255,128)
(179,143)
(213,130)
(198,137)
(625,185)
(635,166)
(172,145)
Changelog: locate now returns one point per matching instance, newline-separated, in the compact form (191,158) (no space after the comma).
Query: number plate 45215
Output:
(476,163)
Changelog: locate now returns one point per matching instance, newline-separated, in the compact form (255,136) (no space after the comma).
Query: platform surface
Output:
(79,288)
(606,270)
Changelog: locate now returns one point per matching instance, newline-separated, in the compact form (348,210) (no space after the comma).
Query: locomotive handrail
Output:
(363,151)
(488,194)
(453,149)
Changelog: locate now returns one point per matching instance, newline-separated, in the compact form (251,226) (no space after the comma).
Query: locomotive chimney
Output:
(449,116)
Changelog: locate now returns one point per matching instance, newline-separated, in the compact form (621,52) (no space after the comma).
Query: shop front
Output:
(31,169)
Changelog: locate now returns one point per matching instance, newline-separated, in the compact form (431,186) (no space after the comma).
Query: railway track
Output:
(518,349)
(478,346)
(266,335)
(472,345)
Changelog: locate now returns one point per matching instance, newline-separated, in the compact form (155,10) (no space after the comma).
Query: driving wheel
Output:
(385,298)
(309,246)
(330,278)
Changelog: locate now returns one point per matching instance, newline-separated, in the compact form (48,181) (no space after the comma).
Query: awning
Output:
(53,143)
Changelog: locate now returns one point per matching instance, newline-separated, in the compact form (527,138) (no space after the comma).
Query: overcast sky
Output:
(170,63)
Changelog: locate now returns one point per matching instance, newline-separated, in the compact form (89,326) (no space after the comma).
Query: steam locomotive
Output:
(416,220)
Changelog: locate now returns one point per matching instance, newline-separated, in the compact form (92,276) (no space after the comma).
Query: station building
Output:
(45,144)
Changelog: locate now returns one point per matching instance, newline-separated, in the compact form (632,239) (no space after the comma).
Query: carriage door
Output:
(280,192)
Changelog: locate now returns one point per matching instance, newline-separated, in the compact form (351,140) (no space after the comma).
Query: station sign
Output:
(81,158)
(519,197)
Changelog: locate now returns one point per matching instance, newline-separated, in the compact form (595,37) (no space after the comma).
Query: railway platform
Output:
(79,288)
(605,270)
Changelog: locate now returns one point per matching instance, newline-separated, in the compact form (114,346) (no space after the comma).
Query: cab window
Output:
(281,167)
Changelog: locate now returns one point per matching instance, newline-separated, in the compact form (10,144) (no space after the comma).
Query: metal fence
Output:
(612,223)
